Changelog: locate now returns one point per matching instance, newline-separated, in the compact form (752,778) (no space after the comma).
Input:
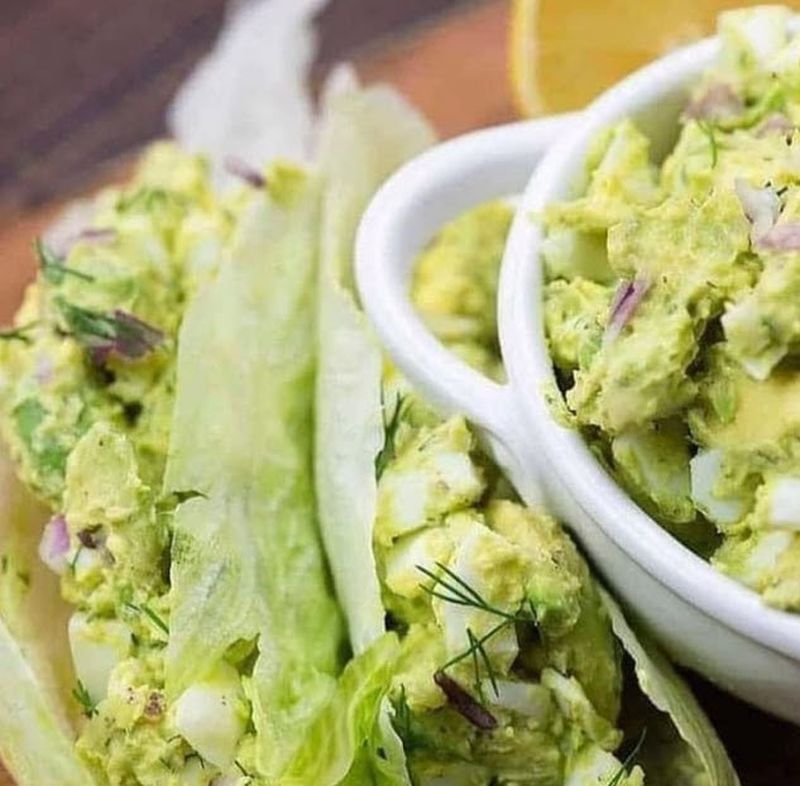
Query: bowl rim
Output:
(529,368)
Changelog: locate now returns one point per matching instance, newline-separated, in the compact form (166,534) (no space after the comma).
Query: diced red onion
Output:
(91,235)
(623,305)
(775,124)
(245,172)
(54,545)
(782,237)
(139,338)
(464,704)
(762,206)
(719,102)
(132,339)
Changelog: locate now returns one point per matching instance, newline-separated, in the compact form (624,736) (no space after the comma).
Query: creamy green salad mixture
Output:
(192,391)
(672,310)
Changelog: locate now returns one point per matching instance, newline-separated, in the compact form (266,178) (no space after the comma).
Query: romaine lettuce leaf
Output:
(366,135)
(34,745)
(247,559)
(683,750)
(30,594)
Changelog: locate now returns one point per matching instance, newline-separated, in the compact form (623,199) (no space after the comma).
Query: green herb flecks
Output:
(449,587)
(403,722)
(148,199)
(713,145)
(74,561)
(18,334)
(81,695)
(402,714)
(480,655)
(53,268)
(630,760)
(244,772)
(476,648)
(192,755)
(144,608)
(389,450)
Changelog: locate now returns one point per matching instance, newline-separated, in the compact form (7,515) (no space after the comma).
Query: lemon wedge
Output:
(563,53)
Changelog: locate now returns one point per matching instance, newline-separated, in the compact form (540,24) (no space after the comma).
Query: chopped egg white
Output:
(408,554)
(784,503)
(208,716)
(526,698)
(705,469)
(97,647)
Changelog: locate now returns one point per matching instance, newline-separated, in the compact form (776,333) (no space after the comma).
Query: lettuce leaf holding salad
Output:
(161,393)
(157,395)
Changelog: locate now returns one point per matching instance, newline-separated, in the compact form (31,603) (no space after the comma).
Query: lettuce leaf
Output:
(30,594)
(247,560)
(681,747)
(366,135)
(34,745)
(337,748)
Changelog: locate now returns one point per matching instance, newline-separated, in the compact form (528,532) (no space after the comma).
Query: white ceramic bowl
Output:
(704,619)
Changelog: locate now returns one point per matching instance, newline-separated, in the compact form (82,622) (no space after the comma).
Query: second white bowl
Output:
(705,619)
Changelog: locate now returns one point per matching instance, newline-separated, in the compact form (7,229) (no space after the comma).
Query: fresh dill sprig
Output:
(144,608)
(18,334)
(244,772)
(81,695)
(389,449)
(402,714)
(451,588)
(476,646)
(193,755)
(402,722)
(149,199)
(74,561)
(708,130)
(479,651)
(144,197)
(53,268)
(476,666)
(627,765)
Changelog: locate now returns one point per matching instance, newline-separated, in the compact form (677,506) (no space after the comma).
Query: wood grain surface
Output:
(451,65)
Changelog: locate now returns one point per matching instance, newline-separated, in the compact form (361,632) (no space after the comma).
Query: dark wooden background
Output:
(83,83)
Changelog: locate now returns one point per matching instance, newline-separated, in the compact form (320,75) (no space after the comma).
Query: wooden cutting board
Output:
(454,69)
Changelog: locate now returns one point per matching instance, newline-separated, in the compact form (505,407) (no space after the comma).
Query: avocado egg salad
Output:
(671,310)
(193,402)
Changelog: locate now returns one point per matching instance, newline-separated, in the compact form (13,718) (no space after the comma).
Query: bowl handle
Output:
(402,217)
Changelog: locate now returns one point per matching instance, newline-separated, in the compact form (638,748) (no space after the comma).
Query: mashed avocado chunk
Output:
(681,367)
(455,284)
